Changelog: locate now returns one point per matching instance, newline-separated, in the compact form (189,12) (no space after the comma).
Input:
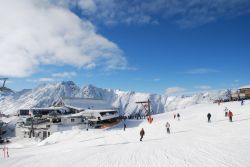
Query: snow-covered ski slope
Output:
(193,142)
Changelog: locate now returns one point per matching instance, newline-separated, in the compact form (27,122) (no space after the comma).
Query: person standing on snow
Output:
(124,126)
(242,102)
(142,133)
(168,127)
(226,111)
(230,115)
(178,116)
(209,117)
(6,152)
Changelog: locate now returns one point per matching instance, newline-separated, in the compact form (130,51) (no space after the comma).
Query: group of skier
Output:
(167,125)
(142,132)
(178,116)
(228,114)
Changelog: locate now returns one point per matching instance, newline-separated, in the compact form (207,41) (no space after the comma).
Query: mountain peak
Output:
(68,83)
(6,91)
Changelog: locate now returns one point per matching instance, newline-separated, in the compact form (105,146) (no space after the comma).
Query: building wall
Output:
(245,91)
(71,121)
(19,132)
(43,132)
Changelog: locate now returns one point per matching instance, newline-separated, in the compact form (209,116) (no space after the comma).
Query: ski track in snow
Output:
(192,143)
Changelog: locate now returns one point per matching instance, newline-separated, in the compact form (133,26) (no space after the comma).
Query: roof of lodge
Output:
(245,87)
(83,103)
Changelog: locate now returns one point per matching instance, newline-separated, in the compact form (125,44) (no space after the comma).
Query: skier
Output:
(178,116)
(87,124)
(142,133)
(230,115)
(208,117)
(242,102)
(174,116)
(168,127)
(6,152)
(226,111)
(150,119)
(124,126)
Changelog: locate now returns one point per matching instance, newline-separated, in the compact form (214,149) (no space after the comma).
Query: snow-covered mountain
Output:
(48,94)
(5,91)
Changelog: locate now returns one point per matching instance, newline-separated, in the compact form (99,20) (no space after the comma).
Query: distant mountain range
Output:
(48,94)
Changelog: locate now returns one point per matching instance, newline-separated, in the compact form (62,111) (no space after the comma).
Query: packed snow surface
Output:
(193,142)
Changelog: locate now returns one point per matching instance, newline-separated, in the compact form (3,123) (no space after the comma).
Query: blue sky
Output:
(144,50)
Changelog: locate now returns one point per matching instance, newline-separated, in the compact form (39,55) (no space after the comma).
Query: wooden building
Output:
(242,93)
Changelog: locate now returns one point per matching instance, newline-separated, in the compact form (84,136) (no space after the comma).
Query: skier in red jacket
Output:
(230,115)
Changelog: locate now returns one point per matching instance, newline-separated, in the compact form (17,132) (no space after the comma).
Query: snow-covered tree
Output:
(229,94)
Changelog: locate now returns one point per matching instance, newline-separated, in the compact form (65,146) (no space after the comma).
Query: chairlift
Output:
(146,106)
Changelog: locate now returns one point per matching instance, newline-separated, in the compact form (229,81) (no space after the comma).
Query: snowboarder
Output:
(142,133)
(208,117)
(178,116)
(230,115)
(124,126)
(168,127)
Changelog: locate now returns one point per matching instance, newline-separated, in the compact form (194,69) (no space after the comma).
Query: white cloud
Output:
(88,75)
(174,90)
(185,13)
(46,80)
(64,74)
(156,79)
(41,80)
(35,33)
(235,83)
(88,6)
(203,87)
(202,71)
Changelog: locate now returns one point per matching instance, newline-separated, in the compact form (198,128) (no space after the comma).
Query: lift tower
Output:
(4,81)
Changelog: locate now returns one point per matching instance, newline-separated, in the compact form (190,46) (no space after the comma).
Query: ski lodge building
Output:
(68,113)
(94,110)
(242,93)
(2,128)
